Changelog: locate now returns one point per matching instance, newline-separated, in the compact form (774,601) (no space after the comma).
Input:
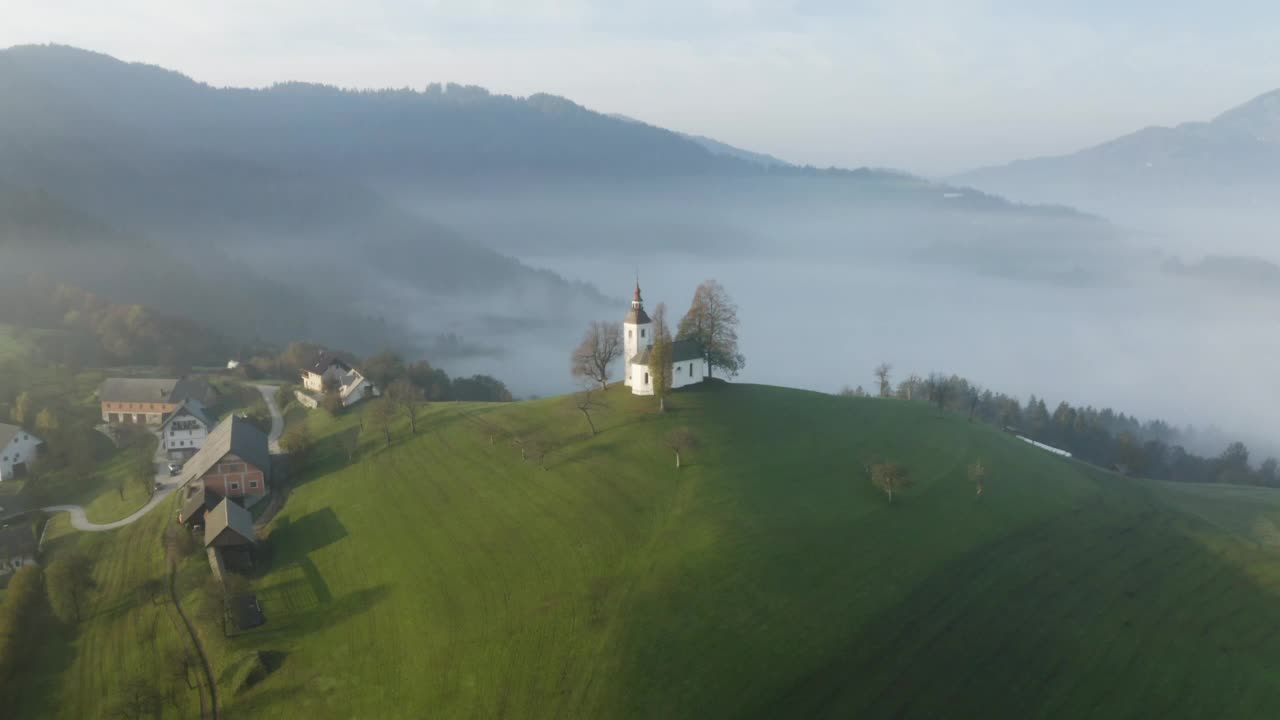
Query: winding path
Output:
(169,484)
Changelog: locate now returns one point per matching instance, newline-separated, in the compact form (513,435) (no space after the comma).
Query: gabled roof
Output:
(233,435)
(17,541)
(8,433)
(151,390)
(191,407)
(201,497)
(324,361)
(228,516)
(681,350)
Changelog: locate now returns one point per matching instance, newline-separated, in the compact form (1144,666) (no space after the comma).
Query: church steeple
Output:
(636,331)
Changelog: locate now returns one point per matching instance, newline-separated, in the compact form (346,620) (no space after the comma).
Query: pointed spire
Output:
(636,298)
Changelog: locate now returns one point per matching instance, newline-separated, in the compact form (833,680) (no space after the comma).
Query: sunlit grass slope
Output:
(447,577)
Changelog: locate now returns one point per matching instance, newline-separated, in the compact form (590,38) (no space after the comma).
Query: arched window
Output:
(642,332)
(646,378)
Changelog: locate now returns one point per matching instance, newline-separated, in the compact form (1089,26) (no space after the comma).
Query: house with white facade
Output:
(688,361)
(184,430)
(332,371)
(17,548)
(18,449)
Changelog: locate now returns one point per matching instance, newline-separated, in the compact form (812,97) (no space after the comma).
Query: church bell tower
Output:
(637,334)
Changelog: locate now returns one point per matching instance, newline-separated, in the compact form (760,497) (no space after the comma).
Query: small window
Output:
(646,378)
(253,484)
(628,334)
(235,486)
(690,369)
(641,333)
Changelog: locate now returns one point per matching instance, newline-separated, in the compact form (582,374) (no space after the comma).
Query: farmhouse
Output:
(184,430)
(148,401)
(18,448)
(17,548)
(688,362)
(330,371)
(235,462)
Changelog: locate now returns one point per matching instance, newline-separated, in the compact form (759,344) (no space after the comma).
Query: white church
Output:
(688,363)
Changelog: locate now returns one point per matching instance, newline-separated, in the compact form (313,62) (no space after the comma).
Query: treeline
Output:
(382,369)
(90,330)
(25,620)
(1104,437)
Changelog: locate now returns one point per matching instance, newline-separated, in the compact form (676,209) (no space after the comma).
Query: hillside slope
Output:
(444,576)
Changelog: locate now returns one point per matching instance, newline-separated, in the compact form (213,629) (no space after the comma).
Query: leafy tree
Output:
(890,478)
(68,581)
(383,369)
(23,412)
(882,379)
(978,476)
(298,443)
(47,422)
(660,357)
(23,621)
(681,440)
(331,402)
(712,322)
(480,388)
(600,348)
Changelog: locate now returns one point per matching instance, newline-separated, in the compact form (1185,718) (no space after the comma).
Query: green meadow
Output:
(445,576)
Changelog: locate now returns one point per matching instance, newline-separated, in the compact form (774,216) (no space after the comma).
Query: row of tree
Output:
(91,331)
(1103,436)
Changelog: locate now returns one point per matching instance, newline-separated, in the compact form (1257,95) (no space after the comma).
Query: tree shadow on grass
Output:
(37,685)
(294,611)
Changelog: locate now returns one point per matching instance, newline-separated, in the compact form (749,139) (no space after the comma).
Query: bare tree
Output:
(601,346)
(681,440)
(408,397)
(350,444)
(890,477)
(882,378)
(978,476)
(181,666)
(712,322)
(381,415)
(974,399)
(586,402)
(909,388)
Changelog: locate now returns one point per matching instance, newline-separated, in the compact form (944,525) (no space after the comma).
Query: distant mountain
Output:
(1230,163)
(719,148)
(440,217)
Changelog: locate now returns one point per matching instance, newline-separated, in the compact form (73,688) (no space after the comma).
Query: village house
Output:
(688,362)
(147,401)
(17,548)
(18,449)
(184,430)
(235,462)
(330,371)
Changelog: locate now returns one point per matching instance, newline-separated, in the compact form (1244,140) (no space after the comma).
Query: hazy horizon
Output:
(927,87)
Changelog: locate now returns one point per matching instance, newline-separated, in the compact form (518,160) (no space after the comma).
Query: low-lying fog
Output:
(1143,342)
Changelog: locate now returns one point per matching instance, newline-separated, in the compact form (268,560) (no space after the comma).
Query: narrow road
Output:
(277,420)
(169,484)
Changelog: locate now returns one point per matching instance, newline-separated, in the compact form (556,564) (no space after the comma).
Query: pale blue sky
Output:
(931,86)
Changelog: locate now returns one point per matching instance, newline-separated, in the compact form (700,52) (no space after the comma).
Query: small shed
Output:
(200,500)
(228,525)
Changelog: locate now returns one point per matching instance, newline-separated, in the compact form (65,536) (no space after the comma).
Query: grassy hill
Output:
(447,577)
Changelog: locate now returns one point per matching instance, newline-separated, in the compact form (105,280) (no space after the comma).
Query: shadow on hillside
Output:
(293,610)
(291,540)
(1092,612)
(40,672)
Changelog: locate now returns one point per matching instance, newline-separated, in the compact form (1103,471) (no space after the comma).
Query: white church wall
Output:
(688,372)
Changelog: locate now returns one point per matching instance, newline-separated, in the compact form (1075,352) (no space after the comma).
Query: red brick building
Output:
(235,462)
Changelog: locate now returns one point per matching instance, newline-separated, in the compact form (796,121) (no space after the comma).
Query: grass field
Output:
(446,577)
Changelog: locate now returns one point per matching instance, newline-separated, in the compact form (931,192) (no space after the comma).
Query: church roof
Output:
(681,350)
(636,316)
